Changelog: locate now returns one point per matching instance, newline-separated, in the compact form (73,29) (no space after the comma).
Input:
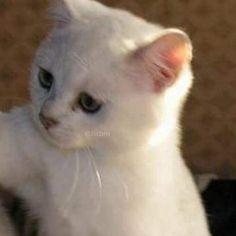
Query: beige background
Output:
(209,119)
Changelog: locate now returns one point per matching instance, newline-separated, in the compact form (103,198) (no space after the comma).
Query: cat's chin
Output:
(63,145)
(58,142)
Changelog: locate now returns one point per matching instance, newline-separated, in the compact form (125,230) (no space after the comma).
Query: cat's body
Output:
(150,194)
(118,172)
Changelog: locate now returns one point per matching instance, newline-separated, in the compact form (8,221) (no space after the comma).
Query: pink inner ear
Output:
(165,57)
(175,58)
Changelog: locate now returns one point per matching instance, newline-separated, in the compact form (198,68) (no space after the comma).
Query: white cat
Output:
(97,152)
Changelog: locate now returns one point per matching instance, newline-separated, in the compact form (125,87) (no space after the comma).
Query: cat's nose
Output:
(47,122)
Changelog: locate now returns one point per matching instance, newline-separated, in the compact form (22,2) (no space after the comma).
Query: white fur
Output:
(117,173)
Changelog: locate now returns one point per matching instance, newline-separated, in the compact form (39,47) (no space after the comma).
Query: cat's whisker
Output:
(97,174)
(74,184)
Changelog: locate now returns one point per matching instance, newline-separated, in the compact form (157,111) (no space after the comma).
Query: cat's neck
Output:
(165,146)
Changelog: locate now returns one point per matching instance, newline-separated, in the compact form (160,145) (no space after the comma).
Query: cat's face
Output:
(90,89)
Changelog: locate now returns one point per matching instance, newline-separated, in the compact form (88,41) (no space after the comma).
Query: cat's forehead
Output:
(80,45)
(115,32)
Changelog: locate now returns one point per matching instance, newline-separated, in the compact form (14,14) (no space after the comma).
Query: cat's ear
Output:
(164,58)
(63,11)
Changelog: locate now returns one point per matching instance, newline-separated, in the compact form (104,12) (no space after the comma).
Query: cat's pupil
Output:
(88,104)
(45,79)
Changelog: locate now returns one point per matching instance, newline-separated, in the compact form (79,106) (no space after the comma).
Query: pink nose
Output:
(47,122)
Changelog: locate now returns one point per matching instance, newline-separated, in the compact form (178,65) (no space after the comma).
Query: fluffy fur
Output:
(118,172)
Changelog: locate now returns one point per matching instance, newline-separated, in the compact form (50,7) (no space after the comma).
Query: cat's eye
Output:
(45,79)
(88,104)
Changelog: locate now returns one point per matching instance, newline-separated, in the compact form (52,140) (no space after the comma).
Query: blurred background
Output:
(209,119)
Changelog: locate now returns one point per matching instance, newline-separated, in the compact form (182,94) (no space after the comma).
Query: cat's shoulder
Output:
(17,132)
(12,122)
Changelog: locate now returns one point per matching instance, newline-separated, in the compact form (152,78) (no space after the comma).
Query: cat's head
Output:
(105,78)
